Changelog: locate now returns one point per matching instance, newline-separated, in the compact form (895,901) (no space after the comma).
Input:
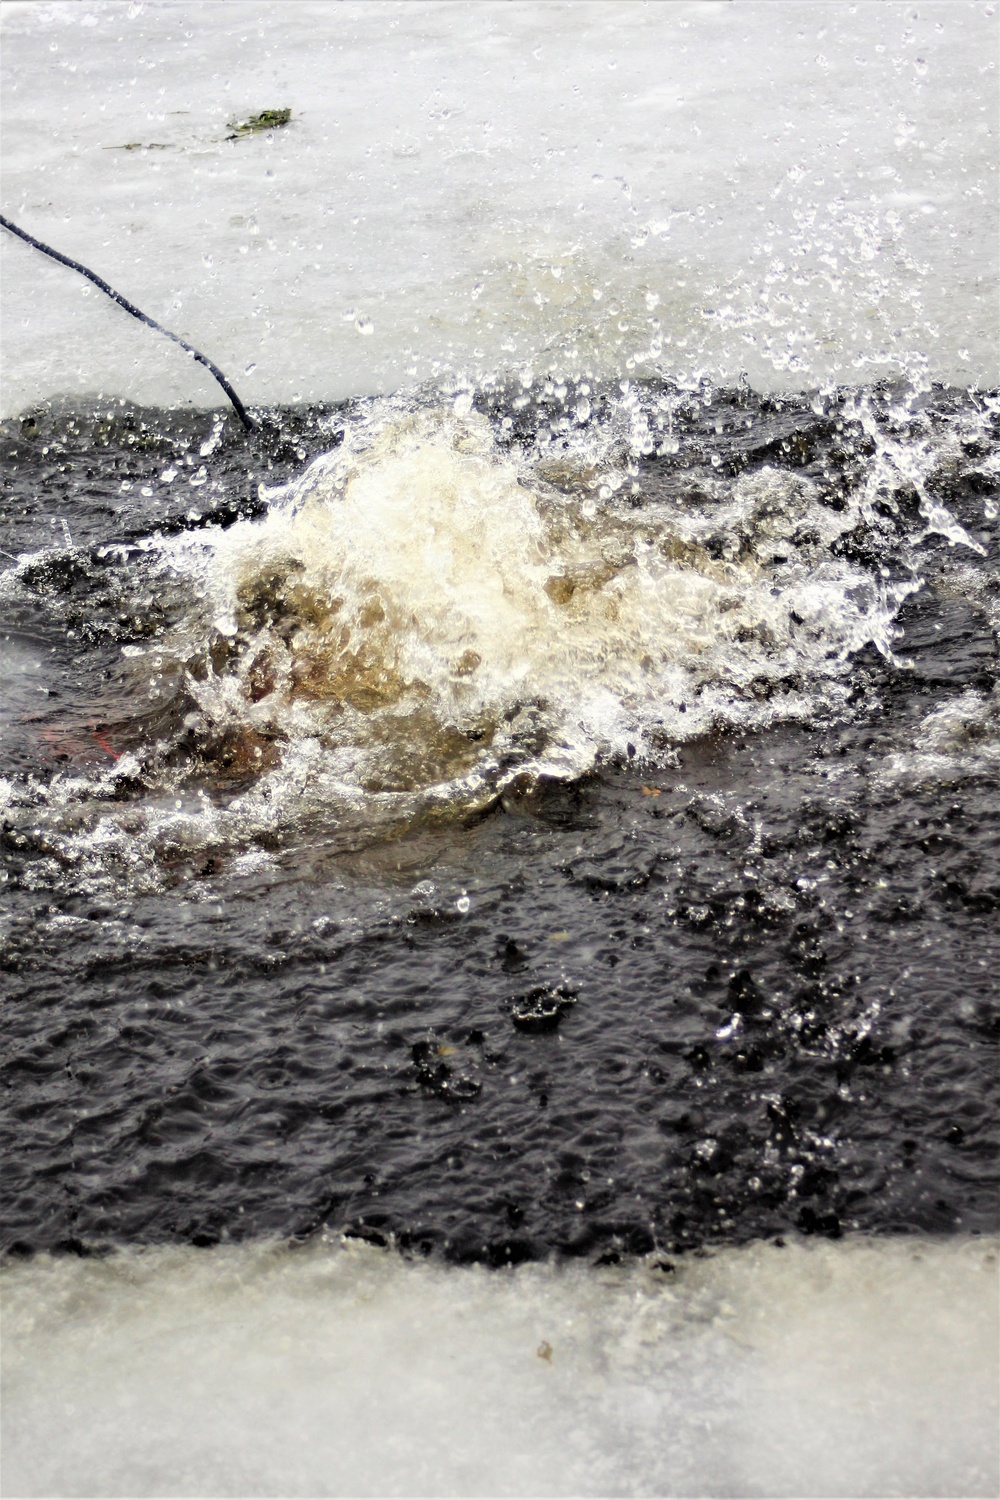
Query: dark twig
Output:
(136,312)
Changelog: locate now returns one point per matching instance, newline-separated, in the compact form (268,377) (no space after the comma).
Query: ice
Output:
(856,1368)
(800,194)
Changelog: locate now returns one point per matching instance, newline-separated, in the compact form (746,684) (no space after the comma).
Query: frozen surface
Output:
(858,1368)
(804,193)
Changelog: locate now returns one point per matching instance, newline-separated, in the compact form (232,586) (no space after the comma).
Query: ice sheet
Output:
(802,193)
(853,1368)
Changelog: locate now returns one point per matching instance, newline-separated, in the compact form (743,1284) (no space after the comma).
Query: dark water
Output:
(743,989)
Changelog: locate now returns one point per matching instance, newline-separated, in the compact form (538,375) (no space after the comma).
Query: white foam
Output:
(859,1368)
(420,587)
(427,615)
(959,739)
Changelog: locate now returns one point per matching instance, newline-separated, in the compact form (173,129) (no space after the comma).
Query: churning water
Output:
(502,863)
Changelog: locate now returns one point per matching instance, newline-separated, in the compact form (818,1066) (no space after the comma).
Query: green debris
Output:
(268,119)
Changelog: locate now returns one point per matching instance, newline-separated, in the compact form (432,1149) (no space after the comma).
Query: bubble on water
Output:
(364,326)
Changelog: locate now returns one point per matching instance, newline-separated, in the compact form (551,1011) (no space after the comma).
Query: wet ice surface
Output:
(602,188)
(852,1369)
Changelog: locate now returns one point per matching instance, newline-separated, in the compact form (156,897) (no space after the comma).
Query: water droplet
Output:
(462,904)
(365,326)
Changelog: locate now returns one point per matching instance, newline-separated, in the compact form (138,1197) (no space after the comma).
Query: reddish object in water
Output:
(98,736)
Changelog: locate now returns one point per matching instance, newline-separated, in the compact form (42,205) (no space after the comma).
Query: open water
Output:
(502,863)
